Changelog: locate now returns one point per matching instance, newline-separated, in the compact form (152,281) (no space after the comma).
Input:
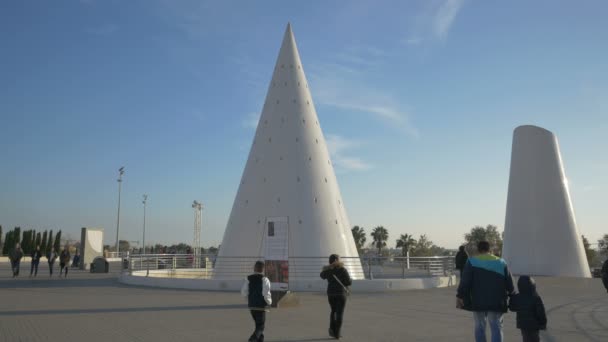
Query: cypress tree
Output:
(30,237)
(37,241)
(49,243)
(24,244)
(16,236)
(57,243)
(9,242)
(43,243)
(28,242)
(33,241)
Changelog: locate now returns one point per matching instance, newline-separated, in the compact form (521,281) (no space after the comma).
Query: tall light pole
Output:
(198,213)
(144,202)
(121,172)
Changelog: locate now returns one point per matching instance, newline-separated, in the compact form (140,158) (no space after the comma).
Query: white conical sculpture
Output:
(541,237)
(288,204)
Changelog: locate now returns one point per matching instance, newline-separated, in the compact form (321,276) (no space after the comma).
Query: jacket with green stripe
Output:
(486,283)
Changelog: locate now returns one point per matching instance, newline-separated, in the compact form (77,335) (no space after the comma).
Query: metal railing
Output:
(368,267)
(116,255)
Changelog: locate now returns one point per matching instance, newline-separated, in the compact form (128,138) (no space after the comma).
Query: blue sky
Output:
(417,99)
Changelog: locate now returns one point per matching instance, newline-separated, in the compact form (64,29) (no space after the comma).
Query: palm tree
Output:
(359,236)
(405,242)
(380,235)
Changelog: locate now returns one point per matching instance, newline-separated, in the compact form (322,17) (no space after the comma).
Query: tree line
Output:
(29,239)
(595,256)
(423,246)
(179,248)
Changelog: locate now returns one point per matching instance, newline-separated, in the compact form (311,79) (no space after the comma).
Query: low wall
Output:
(24,259)
(155,279)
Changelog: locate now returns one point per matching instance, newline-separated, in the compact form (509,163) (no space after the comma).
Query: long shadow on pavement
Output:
(121,310)
(57,282)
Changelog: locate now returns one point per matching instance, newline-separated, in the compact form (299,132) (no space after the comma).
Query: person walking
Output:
(15,257)
(461,259)
(36,255)
(484,287)
(51,257)
(605,274)
(76,260)
(256,289)
(337,281)
(64,261)
(531,315)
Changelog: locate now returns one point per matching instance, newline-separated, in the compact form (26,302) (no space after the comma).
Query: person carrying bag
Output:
(338,281)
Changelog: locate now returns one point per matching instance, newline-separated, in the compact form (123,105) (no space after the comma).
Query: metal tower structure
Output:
(198,223)
(121,172)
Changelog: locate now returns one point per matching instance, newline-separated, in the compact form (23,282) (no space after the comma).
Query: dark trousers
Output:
(530,335)
(337,304)
(605,281)
(51,265)
(15,266)
(34,268)
(259,317)
(63,266)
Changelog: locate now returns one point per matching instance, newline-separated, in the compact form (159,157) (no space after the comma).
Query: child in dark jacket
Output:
(531,317)
(256,289)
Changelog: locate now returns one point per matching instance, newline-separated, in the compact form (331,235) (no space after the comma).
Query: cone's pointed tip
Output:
(288,30)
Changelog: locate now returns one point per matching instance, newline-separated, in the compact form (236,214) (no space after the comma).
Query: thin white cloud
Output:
(432,22)
(412,41)
(337,145)
(353,164)
(251,120)
(353,92)
(102,30)
(444,18)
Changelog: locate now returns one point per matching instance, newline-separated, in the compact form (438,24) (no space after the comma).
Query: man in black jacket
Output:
(15,257)
(257,290)
(461,259)
(36,255)
(486,282)
(337,281)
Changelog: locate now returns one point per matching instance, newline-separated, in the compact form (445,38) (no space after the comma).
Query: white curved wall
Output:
(541,237)
(305,285)
(288,174)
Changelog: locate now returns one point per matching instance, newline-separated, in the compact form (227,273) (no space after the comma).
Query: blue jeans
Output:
(495,320)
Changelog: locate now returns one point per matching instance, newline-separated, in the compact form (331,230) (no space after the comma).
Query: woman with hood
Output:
(531,316)
(337,281)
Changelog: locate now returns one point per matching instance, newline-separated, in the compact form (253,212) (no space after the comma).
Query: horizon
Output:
(417,103)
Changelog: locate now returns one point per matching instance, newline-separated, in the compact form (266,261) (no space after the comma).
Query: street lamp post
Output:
(121,171)
(144,238)
(198,212)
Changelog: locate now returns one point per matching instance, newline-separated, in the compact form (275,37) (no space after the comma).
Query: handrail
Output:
(184,265)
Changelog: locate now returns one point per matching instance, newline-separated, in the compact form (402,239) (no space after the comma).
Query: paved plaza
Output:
(95,307)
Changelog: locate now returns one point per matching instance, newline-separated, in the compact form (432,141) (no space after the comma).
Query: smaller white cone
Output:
(541,237)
